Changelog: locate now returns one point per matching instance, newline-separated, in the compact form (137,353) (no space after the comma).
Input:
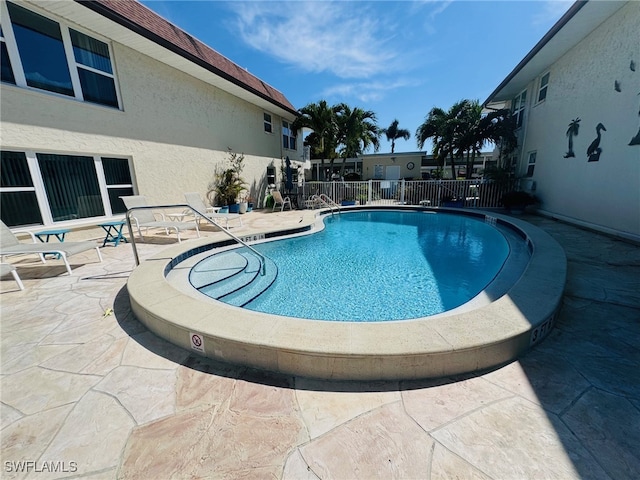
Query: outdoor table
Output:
(114,232)
(45,235)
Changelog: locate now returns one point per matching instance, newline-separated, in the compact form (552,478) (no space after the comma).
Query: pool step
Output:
(233,277)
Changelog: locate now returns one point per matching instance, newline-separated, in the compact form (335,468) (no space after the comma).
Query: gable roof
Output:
(138,18)
(580,20)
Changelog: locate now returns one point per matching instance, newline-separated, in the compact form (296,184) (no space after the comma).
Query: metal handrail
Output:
(328,201)
(261,258)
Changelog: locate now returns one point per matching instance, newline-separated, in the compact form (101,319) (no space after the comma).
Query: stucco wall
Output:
(604,193)
(175,128)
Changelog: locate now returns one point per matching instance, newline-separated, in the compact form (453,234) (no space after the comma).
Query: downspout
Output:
(524,134)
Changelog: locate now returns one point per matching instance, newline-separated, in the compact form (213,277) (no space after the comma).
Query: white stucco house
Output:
(576,96)
(105,98)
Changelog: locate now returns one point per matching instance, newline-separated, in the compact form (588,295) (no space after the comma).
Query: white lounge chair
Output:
(278,200)
(10,245)
(6,268)
(196,202)
(146,218)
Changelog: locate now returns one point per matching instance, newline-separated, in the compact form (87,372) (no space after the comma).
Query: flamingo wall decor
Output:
(594,150)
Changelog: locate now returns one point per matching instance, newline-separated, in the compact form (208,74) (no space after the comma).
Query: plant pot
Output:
(346,203)
(223,210)
(250,207)
(234,208)
(243,207)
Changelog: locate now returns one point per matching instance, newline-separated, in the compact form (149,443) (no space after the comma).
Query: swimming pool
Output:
(378,266)
(512,314)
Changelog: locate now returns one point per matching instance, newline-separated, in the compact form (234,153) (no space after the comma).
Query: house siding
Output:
(174,127)
(604,193)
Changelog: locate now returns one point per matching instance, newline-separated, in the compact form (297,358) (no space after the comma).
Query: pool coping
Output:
(429,347)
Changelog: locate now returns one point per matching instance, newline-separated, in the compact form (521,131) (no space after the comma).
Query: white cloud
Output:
(366,91)
(551,12)
(350,40)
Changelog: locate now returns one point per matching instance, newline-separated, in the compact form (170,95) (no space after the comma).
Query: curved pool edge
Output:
(429,347)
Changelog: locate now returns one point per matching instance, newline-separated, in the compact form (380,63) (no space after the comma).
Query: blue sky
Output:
(398,59)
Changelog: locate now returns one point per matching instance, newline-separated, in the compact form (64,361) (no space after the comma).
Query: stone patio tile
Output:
(93,436)
(516,439)
(446,466)
(595,421)
(384,443)
(16,342)
(295,468)
(104,363)
(24,317)
(75,358)
(8,415)
(602,283)
(32,357)
(273,396)
(547,380)
(435,403)
(150,351)
(204,382)
(80,333)
(211,443)
(325,405)
(147,394)
(27,438)
(37,389)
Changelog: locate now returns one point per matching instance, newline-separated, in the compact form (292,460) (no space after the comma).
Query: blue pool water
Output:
(382,265)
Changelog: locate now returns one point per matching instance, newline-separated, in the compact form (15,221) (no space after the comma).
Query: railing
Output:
(435,193)
(261,258)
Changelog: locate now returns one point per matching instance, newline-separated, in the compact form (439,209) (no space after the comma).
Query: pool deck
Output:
(88,391)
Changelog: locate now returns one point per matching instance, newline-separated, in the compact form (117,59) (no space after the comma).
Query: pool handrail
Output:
(328,201)
(261,258)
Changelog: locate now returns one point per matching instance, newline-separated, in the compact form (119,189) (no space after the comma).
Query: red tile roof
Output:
(137,17)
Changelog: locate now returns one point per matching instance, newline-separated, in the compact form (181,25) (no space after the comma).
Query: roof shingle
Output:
(137,17)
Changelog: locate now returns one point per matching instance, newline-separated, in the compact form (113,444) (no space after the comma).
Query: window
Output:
(94,69)
(118,180)
(531,163)
(43,188)
(18,200)
(267,123)
(50,56)
(544,83)
(7,70)
(288,136)
(517,107)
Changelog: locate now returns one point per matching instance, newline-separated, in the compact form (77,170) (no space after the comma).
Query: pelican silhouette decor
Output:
(594,150)
(572,131)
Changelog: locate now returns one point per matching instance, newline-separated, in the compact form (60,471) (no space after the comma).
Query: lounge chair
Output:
(146,218)
(278,200)
(10,245)
(6,268)
(196,202)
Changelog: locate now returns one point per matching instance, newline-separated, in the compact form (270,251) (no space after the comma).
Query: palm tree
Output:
(500,128)
(572,131)
(357,131)
(321,118)
(471,134)
(433,127)
(393,133)
(446,130)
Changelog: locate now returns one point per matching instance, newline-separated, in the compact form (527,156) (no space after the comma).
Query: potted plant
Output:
(227,183)
(516,201)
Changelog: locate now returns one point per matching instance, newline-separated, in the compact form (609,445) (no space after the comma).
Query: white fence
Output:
(435,193)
